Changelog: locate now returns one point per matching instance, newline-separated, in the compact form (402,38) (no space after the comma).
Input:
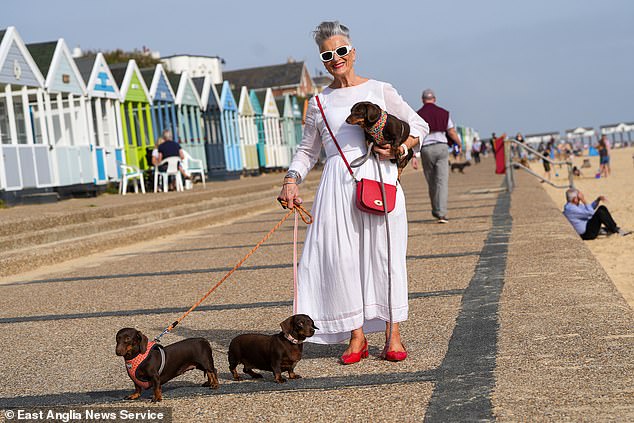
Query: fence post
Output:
(508,174)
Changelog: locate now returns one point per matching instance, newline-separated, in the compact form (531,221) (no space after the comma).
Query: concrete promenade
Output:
(511,317)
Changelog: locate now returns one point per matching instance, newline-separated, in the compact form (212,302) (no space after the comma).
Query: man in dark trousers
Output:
(589,219)
(170,148)
(434,153)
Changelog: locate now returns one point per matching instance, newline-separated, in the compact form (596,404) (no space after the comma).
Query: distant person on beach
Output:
(546,152)
(588,219)
(476,147)
(521,152)
(604,156)
(434,153)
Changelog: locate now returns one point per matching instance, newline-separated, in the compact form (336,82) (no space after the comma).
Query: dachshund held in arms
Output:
(150,365)
(274,353)
(380,128)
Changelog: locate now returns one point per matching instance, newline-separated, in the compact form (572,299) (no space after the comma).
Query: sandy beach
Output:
(615,253)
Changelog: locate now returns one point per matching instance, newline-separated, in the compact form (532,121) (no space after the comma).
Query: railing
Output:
(511,166)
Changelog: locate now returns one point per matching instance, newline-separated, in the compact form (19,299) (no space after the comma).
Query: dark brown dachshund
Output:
(367,115)
(274,353)
(149,367)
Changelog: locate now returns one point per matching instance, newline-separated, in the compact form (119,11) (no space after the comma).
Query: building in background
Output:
(196,66)
(288,78)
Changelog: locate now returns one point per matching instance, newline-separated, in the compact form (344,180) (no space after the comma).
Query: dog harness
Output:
(133,364)
(376,130)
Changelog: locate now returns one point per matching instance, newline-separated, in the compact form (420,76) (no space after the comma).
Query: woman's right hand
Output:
(289,193)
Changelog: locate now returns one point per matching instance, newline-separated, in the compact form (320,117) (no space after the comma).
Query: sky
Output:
(496,65)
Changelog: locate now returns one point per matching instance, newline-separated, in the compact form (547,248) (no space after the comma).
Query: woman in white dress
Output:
(342,275)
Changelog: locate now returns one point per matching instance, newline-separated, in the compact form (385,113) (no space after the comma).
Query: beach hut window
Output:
(36,116)
(20,122)
(5,134)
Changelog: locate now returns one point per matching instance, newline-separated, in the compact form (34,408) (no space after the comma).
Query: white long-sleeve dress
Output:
(342,274)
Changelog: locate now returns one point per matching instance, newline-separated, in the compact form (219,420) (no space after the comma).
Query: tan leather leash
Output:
(298,209)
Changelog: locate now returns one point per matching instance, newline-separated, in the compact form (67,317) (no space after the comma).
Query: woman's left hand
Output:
(384,151)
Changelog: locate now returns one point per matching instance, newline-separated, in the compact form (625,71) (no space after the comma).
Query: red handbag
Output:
(369,196)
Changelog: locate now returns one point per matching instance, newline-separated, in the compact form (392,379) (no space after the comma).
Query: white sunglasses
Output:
(327,56)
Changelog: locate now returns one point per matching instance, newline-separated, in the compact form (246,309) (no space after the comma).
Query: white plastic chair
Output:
(131,173)
(194,166)
(172,170)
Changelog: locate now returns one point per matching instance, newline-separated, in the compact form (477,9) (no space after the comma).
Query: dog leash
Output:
(297,209)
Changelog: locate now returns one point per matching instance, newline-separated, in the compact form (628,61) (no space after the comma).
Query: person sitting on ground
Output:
(587,219)
(170,148)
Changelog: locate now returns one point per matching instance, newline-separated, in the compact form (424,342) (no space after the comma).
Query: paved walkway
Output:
(511,318)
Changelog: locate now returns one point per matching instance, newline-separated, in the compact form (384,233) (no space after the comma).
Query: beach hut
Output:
(248,133)
(67,116)
(230,129)
(287,121)
(259,123)
(297,119)
(136,116)
(189,117)
(276,152)
(212,131)
(581,136)
(619,133)
(25,159)
(163,100)
(104,117)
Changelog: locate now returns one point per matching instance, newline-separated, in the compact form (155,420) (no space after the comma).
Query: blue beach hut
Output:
(163,100)
(104,117)
(230,130)
(25,159)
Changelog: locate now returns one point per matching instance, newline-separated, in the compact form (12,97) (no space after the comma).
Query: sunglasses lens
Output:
(326,56)
(342,51)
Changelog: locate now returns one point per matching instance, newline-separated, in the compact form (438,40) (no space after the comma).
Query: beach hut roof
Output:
(269,105)
(159,83)
(97,75)
(85,65)
(43,53)
(11,42)
(58,67)
(124,74)
(287,74)
(244,104)
(580,130)
(206,91)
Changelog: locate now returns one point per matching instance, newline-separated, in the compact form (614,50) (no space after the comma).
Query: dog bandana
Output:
(376,130)
(133,364)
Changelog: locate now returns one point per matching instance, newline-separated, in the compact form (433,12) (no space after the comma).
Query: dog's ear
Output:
(373,113)
(288,324)
(142,342)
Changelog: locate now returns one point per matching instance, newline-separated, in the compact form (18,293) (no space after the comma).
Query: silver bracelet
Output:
(295,175)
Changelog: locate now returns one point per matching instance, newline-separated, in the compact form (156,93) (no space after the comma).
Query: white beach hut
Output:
(25,162)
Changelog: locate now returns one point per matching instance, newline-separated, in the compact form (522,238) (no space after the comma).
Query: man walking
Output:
(435,154)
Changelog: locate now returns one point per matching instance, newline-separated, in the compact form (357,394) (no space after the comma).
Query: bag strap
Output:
(333,137)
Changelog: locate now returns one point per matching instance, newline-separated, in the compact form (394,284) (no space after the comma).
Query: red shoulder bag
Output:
(369,197)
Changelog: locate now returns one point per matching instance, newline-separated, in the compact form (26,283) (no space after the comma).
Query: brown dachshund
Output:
(395,131)
(274,353)
(150,365)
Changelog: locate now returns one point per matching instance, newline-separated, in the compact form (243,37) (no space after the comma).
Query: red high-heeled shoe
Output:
(356,357)
(393,355)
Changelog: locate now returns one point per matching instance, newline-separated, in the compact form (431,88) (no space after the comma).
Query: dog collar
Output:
(291,339)
(376,130)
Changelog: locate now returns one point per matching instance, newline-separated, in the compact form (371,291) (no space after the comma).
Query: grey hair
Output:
(329,29)
(571,194)
(167,134)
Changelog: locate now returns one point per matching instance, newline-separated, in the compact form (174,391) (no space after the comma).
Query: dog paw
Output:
(159,399)
(294,376)
(281,380)
(132,397)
